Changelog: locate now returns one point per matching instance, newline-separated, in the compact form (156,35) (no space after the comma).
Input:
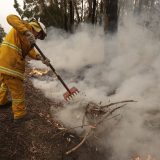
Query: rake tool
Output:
(70,92)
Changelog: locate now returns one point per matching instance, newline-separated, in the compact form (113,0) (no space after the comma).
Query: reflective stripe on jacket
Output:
(19,50)
(15,47)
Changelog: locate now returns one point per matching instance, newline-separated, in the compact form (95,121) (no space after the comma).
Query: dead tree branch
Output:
(111,104)
(83,140)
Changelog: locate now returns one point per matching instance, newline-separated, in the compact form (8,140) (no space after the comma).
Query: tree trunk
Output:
(65,16)
(82,11)
(101,12)
(89,10)
(46,14)
(140,6)
(71,8)
(56,1)
(51,2)
(93,11)
(111,16)
(42,6)
(77,13)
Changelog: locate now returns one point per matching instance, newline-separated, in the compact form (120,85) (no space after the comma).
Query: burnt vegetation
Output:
(43,137)
(40,138)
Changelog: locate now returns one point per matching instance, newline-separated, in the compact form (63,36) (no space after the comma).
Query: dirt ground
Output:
(40,138)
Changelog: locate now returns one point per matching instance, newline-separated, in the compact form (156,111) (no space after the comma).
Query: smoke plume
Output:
(107,69)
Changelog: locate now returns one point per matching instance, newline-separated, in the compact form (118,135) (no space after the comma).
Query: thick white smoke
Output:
(127,64)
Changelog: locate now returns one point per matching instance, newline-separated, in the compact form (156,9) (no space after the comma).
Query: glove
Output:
(29,35)
(44,61)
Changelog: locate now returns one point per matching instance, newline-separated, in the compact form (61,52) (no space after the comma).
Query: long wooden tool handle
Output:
(58,76)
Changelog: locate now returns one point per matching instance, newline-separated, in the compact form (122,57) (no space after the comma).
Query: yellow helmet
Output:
(35,26)
(39,27)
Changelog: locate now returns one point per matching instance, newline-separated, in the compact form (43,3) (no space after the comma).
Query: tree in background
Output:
(48,12)
(64,14)
(59,13)
(17,7)
(2,34)
(68,14)
(51,13)
(110,16)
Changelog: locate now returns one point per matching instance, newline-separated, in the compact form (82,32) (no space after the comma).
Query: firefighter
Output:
(17,45)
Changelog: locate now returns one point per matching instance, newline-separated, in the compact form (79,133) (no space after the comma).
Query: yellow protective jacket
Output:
(15,48)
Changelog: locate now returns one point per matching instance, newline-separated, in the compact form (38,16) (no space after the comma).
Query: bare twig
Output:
(83,120)
(113,117)
(111,104)
(83,140)
(66,130)
(97,112)
(113,110)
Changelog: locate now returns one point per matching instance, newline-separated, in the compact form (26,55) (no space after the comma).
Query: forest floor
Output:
(41,138)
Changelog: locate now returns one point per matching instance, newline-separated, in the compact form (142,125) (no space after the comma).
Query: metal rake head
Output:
(69,94)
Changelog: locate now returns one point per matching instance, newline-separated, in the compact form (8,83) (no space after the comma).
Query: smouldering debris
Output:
(148,157)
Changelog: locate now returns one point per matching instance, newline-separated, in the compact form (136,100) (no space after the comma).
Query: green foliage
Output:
(30,9)
(2,34)
(50,15)
(17,7)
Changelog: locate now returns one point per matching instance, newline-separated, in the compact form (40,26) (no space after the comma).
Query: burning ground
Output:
(40,138)
(115,116)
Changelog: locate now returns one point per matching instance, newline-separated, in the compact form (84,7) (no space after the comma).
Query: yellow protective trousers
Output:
(16,88)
